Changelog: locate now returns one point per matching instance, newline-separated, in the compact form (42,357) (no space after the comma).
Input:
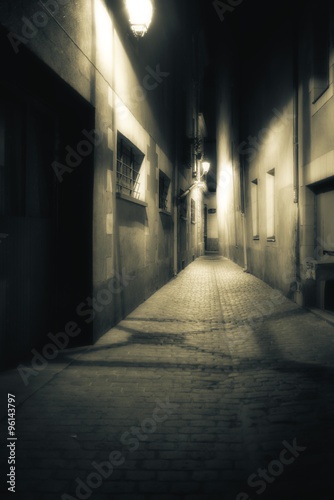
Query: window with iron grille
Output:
(183,206)
(321,49)
(270,200)
(164,183)
(255,208)
(129,161)
(193,211)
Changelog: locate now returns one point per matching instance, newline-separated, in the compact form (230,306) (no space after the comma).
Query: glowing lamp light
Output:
(206,167)
(201,185)
(140,16)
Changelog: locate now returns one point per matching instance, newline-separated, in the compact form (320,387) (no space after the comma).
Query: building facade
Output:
(92,165)
(276,153)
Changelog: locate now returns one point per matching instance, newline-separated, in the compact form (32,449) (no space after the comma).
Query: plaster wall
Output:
(130,85)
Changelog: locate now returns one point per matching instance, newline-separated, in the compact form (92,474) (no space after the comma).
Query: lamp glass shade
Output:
(206,167)
(140,15)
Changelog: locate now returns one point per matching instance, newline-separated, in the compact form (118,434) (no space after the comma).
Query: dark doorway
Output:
(46,258)
(329,295)
(74,215)
(205,227)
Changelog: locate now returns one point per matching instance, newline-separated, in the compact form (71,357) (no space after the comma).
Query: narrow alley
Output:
(216,387)
(166,250)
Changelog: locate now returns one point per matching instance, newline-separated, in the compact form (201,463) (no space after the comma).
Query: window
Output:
(270,198)
(183,206)
(255,208)
(321,40)
(193,211)
(325,223)
(129,161)
(164,184)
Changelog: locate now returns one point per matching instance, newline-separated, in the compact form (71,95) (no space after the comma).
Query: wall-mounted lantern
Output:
(199,183)
(205,167)
(140,16)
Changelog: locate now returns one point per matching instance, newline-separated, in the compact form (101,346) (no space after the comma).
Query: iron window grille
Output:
(321,50)
(183,206)
(193,211)
(270,200)
(129,160)
(255,208)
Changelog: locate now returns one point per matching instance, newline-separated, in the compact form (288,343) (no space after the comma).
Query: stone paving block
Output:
(155,464)
(185,464)
(141,475)
(162,497)
(116,487)
(173,476)
(185,487)
(154,487)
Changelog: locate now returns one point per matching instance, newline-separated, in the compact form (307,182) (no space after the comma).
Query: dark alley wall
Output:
(283,148)
(316,118)
(107,244)
(267,146)
(229,189)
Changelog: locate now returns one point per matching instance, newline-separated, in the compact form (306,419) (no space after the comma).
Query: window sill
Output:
(193,222)
(256,238)
(319,93)
(131,199)
(165,212)
(184,218)
(322,99)
(327,93)
(272,239)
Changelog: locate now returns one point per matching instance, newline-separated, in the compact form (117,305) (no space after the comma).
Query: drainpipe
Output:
(295,118)
(295,41)
(243,214)
(242,177)
(175,218)
(197,136)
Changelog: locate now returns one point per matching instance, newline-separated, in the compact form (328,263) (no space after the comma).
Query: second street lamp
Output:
(140,16)
(198,183)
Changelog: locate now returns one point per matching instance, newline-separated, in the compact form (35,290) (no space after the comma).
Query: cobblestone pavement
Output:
(217,387)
